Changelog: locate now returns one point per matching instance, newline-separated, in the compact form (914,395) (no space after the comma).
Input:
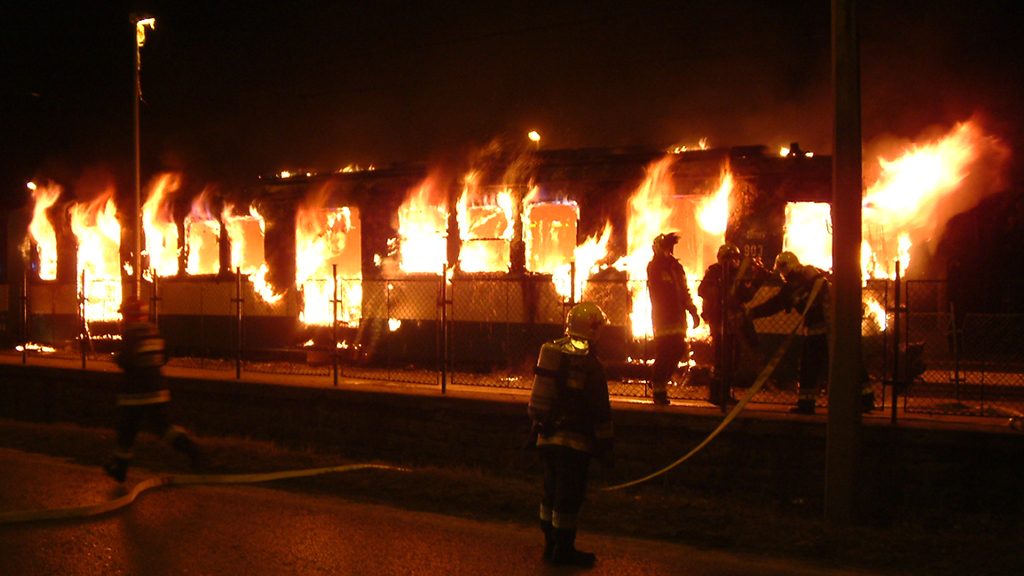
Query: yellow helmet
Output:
(787,262)
(728,250)
(585,320)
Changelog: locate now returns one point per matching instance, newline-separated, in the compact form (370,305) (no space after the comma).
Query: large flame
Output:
(246,235)
(202,236)
(422,230)
(910,201)
(98,232)
(485,225)
(549,232)
(159,226)
(325,237)
(655,208)
(917,193)
(41,230)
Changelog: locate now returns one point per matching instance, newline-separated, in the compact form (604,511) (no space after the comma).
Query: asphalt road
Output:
(252,530)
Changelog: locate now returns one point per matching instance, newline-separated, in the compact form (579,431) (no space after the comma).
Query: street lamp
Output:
(141,21)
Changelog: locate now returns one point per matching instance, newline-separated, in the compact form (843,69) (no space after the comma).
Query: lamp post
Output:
(141,21)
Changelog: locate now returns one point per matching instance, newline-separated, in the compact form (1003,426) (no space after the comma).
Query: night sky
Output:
(236,89)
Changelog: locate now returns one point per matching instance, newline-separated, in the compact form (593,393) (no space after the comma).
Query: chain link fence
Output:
(475,330)
(958,362)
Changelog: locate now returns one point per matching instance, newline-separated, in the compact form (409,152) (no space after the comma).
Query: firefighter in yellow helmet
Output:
(800,282)
(572,424)
(670,303)
(142,397)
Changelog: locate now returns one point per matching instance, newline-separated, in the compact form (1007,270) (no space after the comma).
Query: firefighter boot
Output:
(549,538)
(565,552)
(117,468)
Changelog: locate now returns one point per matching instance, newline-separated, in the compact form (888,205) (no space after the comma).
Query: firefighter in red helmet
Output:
(142,397)
(670,303)
(572,424)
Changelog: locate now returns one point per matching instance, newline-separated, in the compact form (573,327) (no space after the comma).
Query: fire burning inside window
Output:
(98,232)
(549,231)
(41,230)
(246,234)
(485,227)
(325,238)
(423,230)
(161,232)
(202,234)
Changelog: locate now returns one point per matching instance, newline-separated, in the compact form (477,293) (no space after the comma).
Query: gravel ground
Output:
(939,543)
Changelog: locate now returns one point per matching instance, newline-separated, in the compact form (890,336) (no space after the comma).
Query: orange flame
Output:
(549,232)
(202,233)
(98,232)
(325,237)
(159,226)
(41,230)
(485,225)
(422,229)
(246,235)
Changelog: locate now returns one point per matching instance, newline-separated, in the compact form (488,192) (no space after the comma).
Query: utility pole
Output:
(140,21)
(843,436)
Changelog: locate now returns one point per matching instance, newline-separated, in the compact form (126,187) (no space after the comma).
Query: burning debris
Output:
(328,259)
(41,231)
(202,236)
(160,229)
(95,226)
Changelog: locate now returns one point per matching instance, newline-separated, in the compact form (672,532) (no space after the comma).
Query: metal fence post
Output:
(444,358)
(896,342)
(81,315)
(238,323)
(153,299)
(24,316)
(334,325)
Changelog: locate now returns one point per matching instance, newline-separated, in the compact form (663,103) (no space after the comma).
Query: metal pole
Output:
(238,323)
(334,326)
(896,380)
(844,416)
(24,316)
(81,315)
(137,88)
(444,329)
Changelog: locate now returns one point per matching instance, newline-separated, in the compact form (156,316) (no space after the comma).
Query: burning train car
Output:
(466,259)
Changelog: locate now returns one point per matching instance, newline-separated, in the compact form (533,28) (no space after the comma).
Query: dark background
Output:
(237,89)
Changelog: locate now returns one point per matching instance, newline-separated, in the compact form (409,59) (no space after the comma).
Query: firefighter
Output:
(572,424)
(142,398)
(728,284)
(670,302)
(800,283)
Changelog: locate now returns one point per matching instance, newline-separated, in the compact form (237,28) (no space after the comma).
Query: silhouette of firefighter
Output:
(572,424)
(800,283)
(670,303)
(142,398)
(727,285)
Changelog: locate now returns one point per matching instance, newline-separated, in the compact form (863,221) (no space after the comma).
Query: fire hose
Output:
(761,379)
(177,479)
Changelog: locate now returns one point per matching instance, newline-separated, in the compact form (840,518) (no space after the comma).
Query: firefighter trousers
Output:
(565,484)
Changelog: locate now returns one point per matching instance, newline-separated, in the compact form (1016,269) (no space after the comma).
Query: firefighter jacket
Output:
(670,295)
(580,415)
(711,292)
(794,295)
(141,356)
